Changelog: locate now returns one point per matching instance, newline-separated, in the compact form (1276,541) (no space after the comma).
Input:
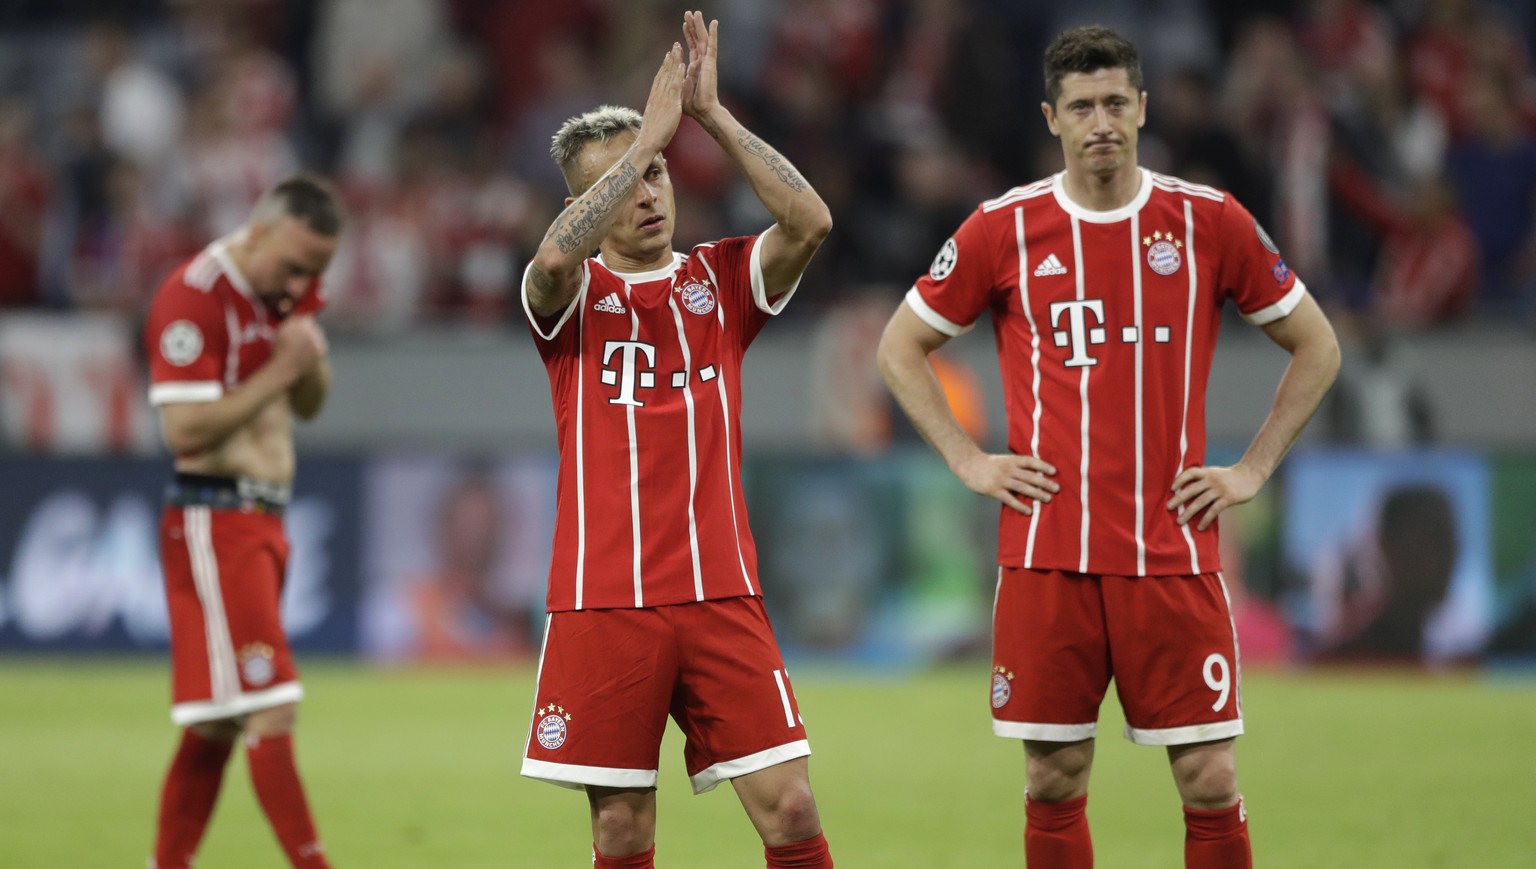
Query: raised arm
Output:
(1305,334)
(555,275)
(801,219)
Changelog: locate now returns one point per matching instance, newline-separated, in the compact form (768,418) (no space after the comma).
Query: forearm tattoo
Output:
(543,284)
(586,214)
(780,166)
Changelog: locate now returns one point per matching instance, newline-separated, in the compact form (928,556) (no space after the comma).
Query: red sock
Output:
(1056,834)
(187,798)
(1217,840)
(643,860)
(281,795)
(809,853)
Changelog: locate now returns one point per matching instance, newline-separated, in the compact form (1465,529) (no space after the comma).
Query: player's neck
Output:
(1107,192)
(634,262)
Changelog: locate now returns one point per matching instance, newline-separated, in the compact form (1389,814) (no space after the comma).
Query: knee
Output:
(1058,775)
(1211,785)
(621,831)
(276,721)
(795,816)
(224,730)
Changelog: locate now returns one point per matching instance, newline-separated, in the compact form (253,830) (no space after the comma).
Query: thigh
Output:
(605,680)
(734,700)
(1175,658)
(1050,658)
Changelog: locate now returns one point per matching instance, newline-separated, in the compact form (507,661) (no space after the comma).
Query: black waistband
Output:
(227,493)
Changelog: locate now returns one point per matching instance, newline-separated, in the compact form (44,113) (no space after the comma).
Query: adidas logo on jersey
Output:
(1050,266)
(610,304)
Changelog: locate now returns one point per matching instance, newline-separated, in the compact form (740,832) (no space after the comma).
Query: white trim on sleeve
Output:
(706,780)
(1186,735)
(185,392)
(1044,732)
(533,319)
(576,777)
(759,287)
(1280,309)
(245,703)
(933,318)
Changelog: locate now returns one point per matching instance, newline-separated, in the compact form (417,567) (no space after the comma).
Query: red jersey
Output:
(1106,323)
(208,330)
(645,376)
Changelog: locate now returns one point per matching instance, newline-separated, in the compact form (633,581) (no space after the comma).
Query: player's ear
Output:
(1141,120)
(1050,118)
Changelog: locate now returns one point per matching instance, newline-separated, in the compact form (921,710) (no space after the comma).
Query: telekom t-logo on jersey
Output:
(1078,334)
(636,369)
(1085,327)
(628,375)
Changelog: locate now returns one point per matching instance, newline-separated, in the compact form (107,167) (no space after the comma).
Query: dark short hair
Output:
(1085,50)
(305,197)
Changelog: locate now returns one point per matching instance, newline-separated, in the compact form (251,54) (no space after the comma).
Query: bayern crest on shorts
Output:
(552,728)
(697,297)
(1163,254)
(1002,687)
(256,664)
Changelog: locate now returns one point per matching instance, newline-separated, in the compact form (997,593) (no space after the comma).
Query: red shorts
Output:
(609,678)
(223,581)
(1167,641)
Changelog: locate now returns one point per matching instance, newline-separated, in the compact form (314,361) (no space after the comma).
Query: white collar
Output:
(665,271)
(1058,187)
(220,251)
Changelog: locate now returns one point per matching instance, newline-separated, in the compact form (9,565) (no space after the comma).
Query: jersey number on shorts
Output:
(1218,677)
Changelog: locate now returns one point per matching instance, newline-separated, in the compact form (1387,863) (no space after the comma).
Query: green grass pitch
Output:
(418,768)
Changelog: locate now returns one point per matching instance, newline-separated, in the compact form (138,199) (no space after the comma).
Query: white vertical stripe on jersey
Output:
(634,457)
(693,446)
(1077,254)
(232,357)
(223,678)
(1034,364)
(581,470)
(1189,340)
(725,412)
(1141,540)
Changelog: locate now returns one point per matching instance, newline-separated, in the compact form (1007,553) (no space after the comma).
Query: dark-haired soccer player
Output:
(653,589)
(1105,284)
(234,354)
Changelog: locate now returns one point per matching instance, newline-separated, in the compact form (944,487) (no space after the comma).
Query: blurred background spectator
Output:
(1389,146)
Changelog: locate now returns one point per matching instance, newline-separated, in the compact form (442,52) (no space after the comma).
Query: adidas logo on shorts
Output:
(611,304)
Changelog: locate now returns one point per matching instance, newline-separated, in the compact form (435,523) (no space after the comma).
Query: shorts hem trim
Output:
(199,711)
(577,777)
(1186,735)
(710,777)
(1044,732)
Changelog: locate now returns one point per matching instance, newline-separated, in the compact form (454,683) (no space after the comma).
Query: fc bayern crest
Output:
(1164,258)
(256,664)
(552,729)
(697,297)
(1002,689)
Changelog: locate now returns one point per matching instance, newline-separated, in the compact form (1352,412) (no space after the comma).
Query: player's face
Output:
(285,258)
(1097,117)
(643,229)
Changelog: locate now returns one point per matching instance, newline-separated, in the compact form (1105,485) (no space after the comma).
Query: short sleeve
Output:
(186,339)
(736,267)
(546,329)
(1252,272)
(960,283)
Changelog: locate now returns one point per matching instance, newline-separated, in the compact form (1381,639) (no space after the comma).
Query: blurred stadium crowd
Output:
(1390,146)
